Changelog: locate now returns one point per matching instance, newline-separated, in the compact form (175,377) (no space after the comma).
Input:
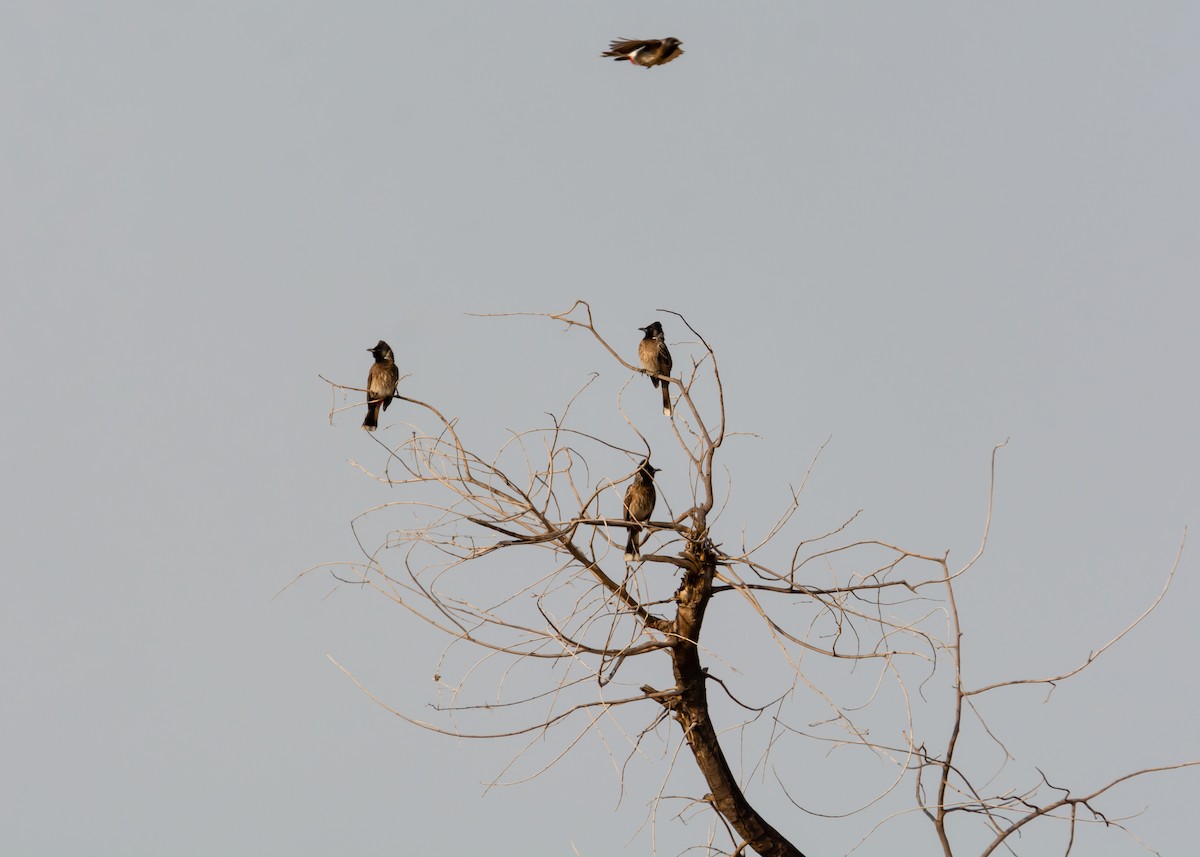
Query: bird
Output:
(656,359)
(644,52)
(381,384)
(639,505)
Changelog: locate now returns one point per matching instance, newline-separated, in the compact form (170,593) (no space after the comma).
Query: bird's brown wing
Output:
(621,48)
(674,54)
(390,378)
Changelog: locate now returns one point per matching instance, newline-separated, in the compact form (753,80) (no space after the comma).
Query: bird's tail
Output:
(371,420)
(666,399)
(631,549)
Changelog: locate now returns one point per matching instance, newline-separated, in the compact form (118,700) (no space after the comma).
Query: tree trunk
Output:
(690,708)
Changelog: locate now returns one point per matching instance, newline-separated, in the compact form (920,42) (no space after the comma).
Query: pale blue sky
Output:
(917,228)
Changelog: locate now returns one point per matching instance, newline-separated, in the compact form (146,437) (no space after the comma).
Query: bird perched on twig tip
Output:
(645,52)
(656,359)
(639,505)
(381,384)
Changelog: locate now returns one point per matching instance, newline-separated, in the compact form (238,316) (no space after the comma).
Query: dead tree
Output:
(517,557)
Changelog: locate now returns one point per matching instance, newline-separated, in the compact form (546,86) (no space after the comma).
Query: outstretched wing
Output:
(624,48)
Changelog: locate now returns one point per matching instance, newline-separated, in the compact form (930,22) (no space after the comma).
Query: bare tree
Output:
(517,557)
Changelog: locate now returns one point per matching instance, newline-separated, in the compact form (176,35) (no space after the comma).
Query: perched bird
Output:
(381,384)
(639,505)
(645,52)
(656,359)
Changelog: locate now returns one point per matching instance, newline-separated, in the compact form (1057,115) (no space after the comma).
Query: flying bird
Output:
(639,505)
(381,384)
(645,52)
(656,359)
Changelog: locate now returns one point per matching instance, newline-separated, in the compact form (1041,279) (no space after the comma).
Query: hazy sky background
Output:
(915,228)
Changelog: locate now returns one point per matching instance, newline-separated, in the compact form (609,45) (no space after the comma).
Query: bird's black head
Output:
(381,350)
(646,470)
(653,329)
(671,42)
